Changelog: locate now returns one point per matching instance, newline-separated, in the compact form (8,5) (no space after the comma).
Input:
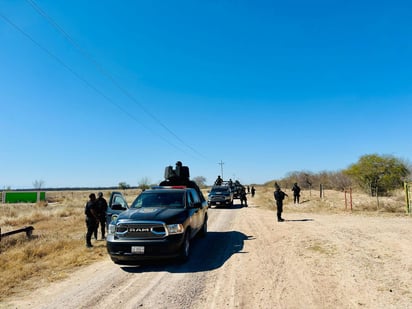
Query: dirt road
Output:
(248,260)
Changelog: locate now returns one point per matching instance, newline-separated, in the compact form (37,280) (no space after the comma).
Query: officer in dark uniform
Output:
(296,193)
(279,197)
(101,214)
(218,181)
(243,197)
(91,218)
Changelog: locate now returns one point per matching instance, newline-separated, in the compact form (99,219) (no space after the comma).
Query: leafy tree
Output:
(123,185)
(378,174)
(200,181)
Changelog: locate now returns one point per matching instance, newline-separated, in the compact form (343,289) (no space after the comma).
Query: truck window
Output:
(189,198)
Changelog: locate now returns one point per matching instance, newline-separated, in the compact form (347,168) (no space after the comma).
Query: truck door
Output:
(197,211)
(117,204)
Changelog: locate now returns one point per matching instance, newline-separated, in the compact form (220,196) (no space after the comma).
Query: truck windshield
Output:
(167,199)
(221,190)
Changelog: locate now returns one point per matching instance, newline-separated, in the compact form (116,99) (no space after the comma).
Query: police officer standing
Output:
(253,191)
(91,219)
(279,197)
(101,213)
(296,193)
(243,197)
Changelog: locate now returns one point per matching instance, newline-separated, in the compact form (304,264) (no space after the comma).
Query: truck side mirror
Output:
(117,207)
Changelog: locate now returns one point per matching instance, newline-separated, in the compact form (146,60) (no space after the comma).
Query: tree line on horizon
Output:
(374,174)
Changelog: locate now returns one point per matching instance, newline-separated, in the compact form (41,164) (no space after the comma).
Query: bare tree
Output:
(144,183)
(200,181)
(38,184)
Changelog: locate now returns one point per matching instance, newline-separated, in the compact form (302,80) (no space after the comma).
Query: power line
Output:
(106,73)
(78,76)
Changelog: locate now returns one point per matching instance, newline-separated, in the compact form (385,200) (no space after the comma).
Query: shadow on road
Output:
(235,206)
(207,254)
(299,220)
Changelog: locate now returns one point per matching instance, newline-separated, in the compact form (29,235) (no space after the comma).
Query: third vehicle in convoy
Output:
(220,196)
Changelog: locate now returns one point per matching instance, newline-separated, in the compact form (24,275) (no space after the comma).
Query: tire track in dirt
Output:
(219,281)
(273,250)
(255,277)
(365,260)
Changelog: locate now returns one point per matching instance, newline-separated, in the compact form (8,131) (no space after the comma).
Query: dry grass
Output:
(333,201)
(56,247)
(58,242)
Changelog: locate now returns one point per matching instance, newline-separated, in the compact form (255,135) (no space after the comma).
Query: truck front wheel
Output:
(203,230)
(185,249)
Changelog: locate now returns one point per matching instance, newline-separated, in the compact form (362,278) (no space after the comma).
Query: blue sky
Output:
(94,93)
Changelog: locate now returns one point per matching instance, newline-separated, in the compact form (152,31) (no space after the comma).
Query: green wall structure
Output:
(24,197)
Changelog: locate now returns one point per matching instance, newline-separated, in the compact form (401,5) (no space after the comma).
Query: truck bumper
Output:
(131,251)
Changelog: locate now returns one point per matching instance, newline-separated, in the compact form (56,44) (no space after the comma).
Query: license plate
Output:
(138,249)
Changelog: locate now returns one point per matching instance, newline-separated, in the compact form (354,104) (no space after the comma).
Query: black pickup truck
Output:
(220,196)
(159,224)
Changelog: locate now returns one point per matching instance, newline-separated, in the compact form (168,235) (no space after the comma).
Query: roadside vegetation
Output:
(57,245)
(376,175)
(332,201)
(373,184)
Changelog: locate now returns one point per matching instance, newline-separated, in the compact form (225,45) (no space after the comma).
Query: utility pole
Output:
(221,167)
